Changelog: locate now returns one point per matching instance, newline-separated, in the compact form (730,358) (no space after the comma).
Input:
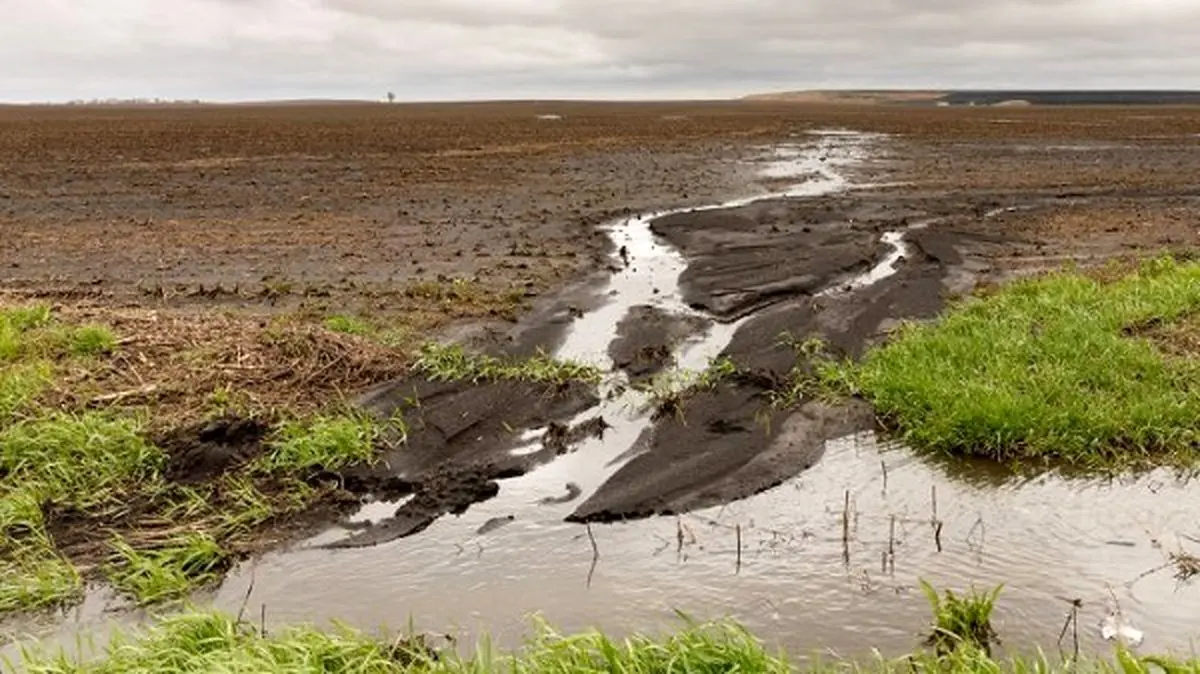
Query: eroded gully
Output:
(805,576)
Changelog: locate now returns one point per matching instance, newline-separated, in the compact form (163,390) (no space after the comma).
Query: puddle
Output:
(1048,540)
(800,578)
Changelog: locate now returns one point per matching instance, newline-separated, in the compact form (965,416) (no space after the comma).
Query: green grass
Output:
(20,384)
(32,574)
(79,463)
(100,476)
(1044,370)
(32,332)
(168,571)
(53,459)
(328,443)
(77,460)
(349,325)
(96,466)
(961,620)
(451,362)
(216,642)
(30,341)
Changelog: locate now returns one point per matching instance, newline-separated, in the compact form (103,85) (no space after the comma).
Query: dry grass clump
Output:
(183,366)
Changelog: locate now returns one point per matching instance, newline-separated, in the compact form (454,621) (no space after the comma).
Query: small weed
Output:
(813,376)
(327,443)
(349,325)
(964,620)
(91,340)
(30,333)
(225,401)
(451,362)
(668,391)
(167,572)
(1187,565)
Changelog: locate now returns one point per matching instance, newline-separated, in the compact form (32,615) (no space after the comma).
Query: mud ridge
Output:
(647,339)
(461,441)
(732,441)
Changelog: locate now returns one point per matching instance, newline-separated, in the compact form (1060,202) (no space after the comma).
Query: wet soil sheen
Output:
(459,442)
(202,453)
(647,339)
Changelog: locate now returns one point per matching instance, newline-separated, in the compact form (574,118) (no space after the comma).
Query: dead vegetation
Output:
(154,449)
(185,366)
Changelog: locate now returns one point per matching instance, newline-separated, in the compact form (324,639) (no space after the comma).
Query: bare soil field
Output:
(274,262)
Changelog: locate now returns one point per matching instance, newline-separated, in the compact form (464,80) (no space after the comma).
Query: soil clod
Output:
(201,453)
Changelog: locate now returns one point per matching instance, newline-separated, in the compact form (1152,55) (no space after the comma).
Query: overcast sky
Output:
(471,49)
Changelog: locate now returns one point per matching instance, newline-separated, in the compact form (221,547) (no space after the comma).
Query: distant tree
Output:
(391,97)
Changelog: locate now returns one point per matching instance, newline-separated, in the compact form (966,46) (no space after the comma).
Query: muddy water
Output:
(805,575)
(1047,539)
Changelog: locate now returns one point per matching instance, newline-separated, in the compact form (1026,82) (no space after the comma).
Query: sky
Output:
(223,50)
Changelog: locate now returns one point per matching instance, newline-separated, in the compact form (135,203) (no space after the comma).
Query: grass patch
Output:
(322,442)
(31,332)
(216,642)
(167,572)
(87,463)
(30,342)
(85,493)
(348,325)
(32,574)
(451,362)
(395,336)
(1048,369)
(99,472)
(20,384)
(81,461)
(961,621)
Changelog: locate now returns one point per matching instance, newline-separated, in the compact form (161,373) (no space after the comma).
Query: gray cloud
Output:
(231,49)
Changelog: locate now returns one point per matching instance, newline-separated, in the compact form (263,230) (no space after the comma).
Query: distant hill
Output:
(983,97)
(859,97)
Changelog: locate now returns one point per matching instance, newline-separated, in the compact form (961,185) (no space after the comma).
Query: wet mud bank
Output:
(640,322)
(461,439)
(647,339)
(845,277)
(741,282)
(844,268)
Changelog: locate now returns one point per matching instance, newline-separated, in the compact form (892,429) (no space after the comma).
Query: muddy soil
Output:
(333,209)
(647,339)
(202,453)
(783,262)
(460,440)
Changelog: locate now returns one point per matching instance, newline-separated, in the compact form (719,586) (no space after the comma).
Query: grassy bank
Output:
(153,450)
(1068,368)
(215,642)
(155,495)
